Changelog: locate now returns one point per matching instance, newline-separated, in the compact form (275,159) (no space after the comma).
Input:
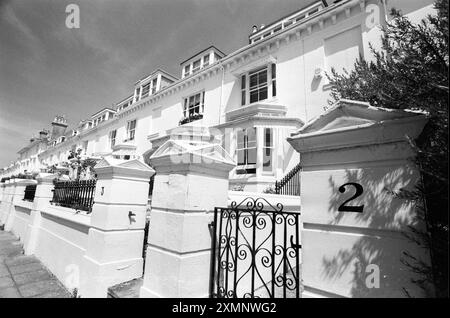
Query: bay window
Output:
(246,151)
(268,150)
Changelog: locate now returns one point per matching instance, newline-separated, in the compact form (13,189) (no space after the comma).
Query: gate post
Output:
(116,235)
(16,195)
(41,201)
(6,204)
(191,179)
(356,163)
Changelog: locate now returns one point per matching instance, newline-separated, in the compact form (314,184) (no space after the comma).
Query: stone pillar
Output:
(16,195)
(41,202)
(116,236)
(6,202)
(356,163)
(191,180)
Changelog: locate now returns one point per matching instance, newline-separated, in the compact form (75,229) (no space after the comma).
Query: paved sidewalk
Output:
(24,276)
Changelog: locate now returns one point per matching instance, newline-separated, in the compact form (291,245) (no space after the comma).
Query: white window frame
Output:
(246,147)
(246,89)
(196,69)
(187,107)
(146,90)
(112,139)
(265,146)
(131,133)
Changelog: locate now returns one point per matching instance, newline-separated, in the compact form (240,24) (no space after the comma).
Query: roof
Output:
(100,111)
(198,53)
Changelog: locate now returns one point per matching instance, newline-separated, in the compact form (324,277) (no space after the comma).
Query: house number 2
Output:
(358,191)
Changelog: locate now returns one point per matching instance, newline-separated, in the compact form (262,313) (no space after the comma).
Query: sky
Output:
(47,69)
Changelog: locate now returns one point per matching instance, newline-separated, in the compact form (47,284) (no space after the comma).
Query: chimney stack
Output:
(43,134)
(59,126)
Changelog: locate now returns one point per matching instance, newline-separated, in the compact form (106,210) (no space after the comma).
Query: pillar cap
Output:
(133,167)
(44,177)
(190,154)
(351,123)
(24,181)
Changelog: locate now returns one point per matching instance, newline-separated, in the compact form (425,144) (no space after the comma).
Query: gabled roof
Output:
(349,113)
(353,123)
(202,51)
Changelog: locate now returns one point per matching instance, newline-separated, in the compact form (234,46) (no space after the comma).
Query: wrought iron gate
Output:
(256,251)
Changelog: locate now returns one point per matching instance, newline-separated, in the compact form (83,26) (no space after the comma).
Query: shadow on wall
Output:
(380,235)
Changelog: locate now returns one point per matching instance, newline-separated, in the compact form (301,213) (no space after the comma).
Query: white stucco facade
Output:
(296,59)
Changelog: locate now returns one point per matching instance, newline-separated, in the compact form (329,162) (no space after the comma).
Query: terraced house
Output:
(254,102)
(262,93)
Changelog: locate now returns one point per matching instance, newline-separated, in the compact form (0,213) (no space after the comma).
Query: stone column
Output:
(116,236)
(6,202)
(191,180)
(41,201)
(16,195)
(356,163)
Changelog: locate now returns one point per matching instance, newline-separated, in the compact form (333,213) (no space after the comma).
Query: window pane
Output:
(263,93)
(243,98)
(251,160)
(267,159)
(240,139)
(274,71)
(243,82)
(251,134)
(253,80)
(253,96)
(274,88)
(240,157)
(268,137)
(262,77)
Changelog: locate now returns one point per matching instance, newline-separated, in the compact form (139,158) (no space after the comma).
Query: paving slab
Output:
(10,292)
(6,281)
(24,275)
(41,287)
(20,260)
(31,277)
(24,268)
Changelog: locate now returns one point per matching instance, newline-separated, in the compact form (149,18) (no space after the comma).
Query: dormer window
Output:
(200,60)
(205,60)
(154,82)
(145,90)
(196,66)
(187,70)
(138,91)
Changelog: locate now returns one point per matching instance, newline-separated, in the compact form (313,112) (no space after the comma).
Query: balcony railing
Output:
(289,184)
(78,195)
(30,191)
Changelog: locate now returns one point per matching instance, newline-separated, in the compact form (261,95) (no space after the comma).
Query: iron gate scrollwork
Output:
(256,251)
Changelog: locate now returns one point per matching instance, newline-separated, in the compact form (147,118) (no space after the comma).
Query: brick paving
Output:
(24,276)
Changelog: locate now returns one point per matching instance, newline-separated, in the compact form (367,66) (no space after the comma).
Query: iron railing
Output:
(290,183)
(78,195)
(30,191)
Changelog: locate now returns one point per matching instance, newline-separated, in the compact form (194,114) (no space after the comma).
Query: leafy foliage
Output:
(411,72)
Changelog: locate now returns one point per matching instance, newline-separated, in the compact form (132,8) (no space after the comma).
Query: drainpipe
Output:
(221,90)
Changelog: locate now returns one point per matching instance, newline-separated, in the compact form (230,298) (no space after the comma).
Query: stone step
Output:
(128,289)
